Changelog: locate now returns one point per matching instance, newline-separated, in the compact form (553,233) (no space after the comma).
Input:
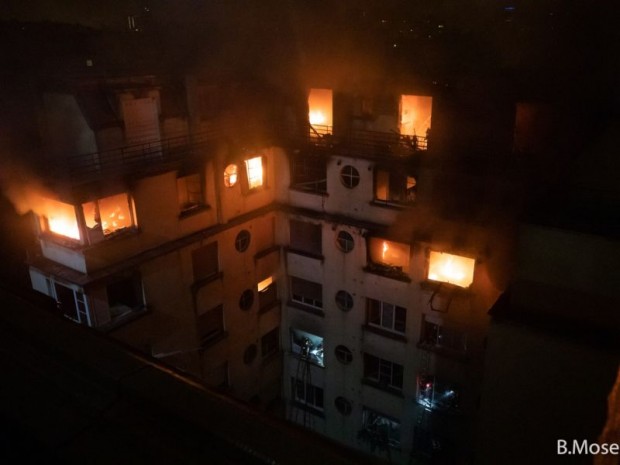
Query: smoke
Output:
(23,187)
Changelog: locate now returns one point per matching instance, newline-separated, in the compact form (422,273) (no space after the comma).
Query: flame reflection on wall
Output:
(320,110)
(452,269)
(61,219)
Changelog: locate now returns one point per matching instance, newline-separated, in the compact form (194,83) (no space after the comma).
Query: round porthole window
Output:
(345,241)
(246,300)
(349,176)
(242,241)
(250,354)
(343,405)
(344,354)
(344,300)
(230,175)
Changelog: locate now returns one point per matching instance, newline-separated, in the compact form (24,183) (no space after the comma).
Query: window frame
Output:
(351,177)
(189,206)
(312,396)
(306,301)
(383,373)
(373,305)
(214,333)
(269,347)
(345,241)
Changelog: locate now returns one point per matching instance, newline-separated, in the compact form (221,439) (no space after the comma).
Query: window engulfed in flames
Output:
(415,115)
(389,253)
(111,214)
(451,269)
(61,219)
(320,110)
(254,167)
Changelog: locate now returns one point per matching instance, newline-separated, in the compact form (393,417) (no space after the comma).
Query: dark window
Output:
(267,293)
(386,315)
(307,394)
(343,405)
(343,354)
(383,372)
(345,241)
(344,300)
(309,172)
(124,296)
(270,343)
(68,303)
(381,426)
(306,237)
(242,241)
(246,300)
(205,261)
(306,292)
(190,192)
(349,176)
(250,354)
(211,324)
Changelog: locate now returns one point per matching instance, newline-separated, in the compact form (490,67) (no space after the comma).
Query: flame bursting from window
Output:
(320,110)
(110,213)
(61,219)
(451,269)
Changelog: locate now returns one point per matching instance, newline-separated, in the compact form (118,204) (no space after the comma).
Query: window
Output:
(270,343)
(255,172)
(306,292)
(383,372)
(438,337)
(250,354)
(308,172)
(320,111)
(390,254)
(108,216)
(308,346)
(72,303)
(437,395)
(306,237)
(451,269)
(125,296)
(385,315)
(205,261)
(349,176)
(380,430)
(343,405)
(415,115)
(242,241)
(343,354)
(190,192)
(60,218)
(211,325)
(230,175)
(267,293)
(394,187)
(345,241)
(246,300)
(344,300)
(306,394)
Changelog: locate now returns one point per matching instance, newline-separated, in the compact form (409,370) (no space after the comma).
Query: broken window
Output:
(383,372)
(255,172)
(210,324)
(270,343)
(389,255)
(125,296)
(308,346)
(205,261)
(386,316)
(320,112)
(307,394)
(109,215)
(267,293)
(190,192)
(72,303)
(306,237)
(394,187)
(380,430)
(437,395)
(451,269)
(306,292)
(230,175)
(60,218)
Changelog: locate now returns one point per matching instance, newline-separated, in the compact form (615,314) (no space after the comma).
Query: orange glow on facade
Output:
(61,219)
(415,115)
(451,269)
(320,110)
(254,168)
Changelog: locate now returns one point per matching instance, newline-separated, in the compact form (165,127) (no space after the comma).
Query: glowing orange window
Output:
(451,269)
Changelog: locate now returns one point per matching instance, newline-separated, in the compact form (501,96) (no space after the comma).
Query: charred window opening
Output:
(320,112)
(394,187)
(125,296)
(231,175)
(267,292)
(388,258)
(307,346)
(306,237)
(307,293)
(382,372)
(210,325)
(451,269)
(379,430)
(309,173)
(307,394)
(386,316)
(205,261)
(72,304)
(255,172)
(190,191)
(437,395)
(108,216)
(270,343)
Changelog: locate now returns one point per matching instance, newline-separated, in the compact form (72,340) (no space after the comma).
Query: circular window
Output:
(230,175)
(345,241)
(242,241)
(344,355)
(343,405)
(344,300)
(246,300)
(250,354)
(349,176)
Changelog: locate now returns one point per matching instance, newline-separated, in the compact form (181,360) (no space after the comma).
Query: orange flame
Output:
(61,219)
(451,269)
